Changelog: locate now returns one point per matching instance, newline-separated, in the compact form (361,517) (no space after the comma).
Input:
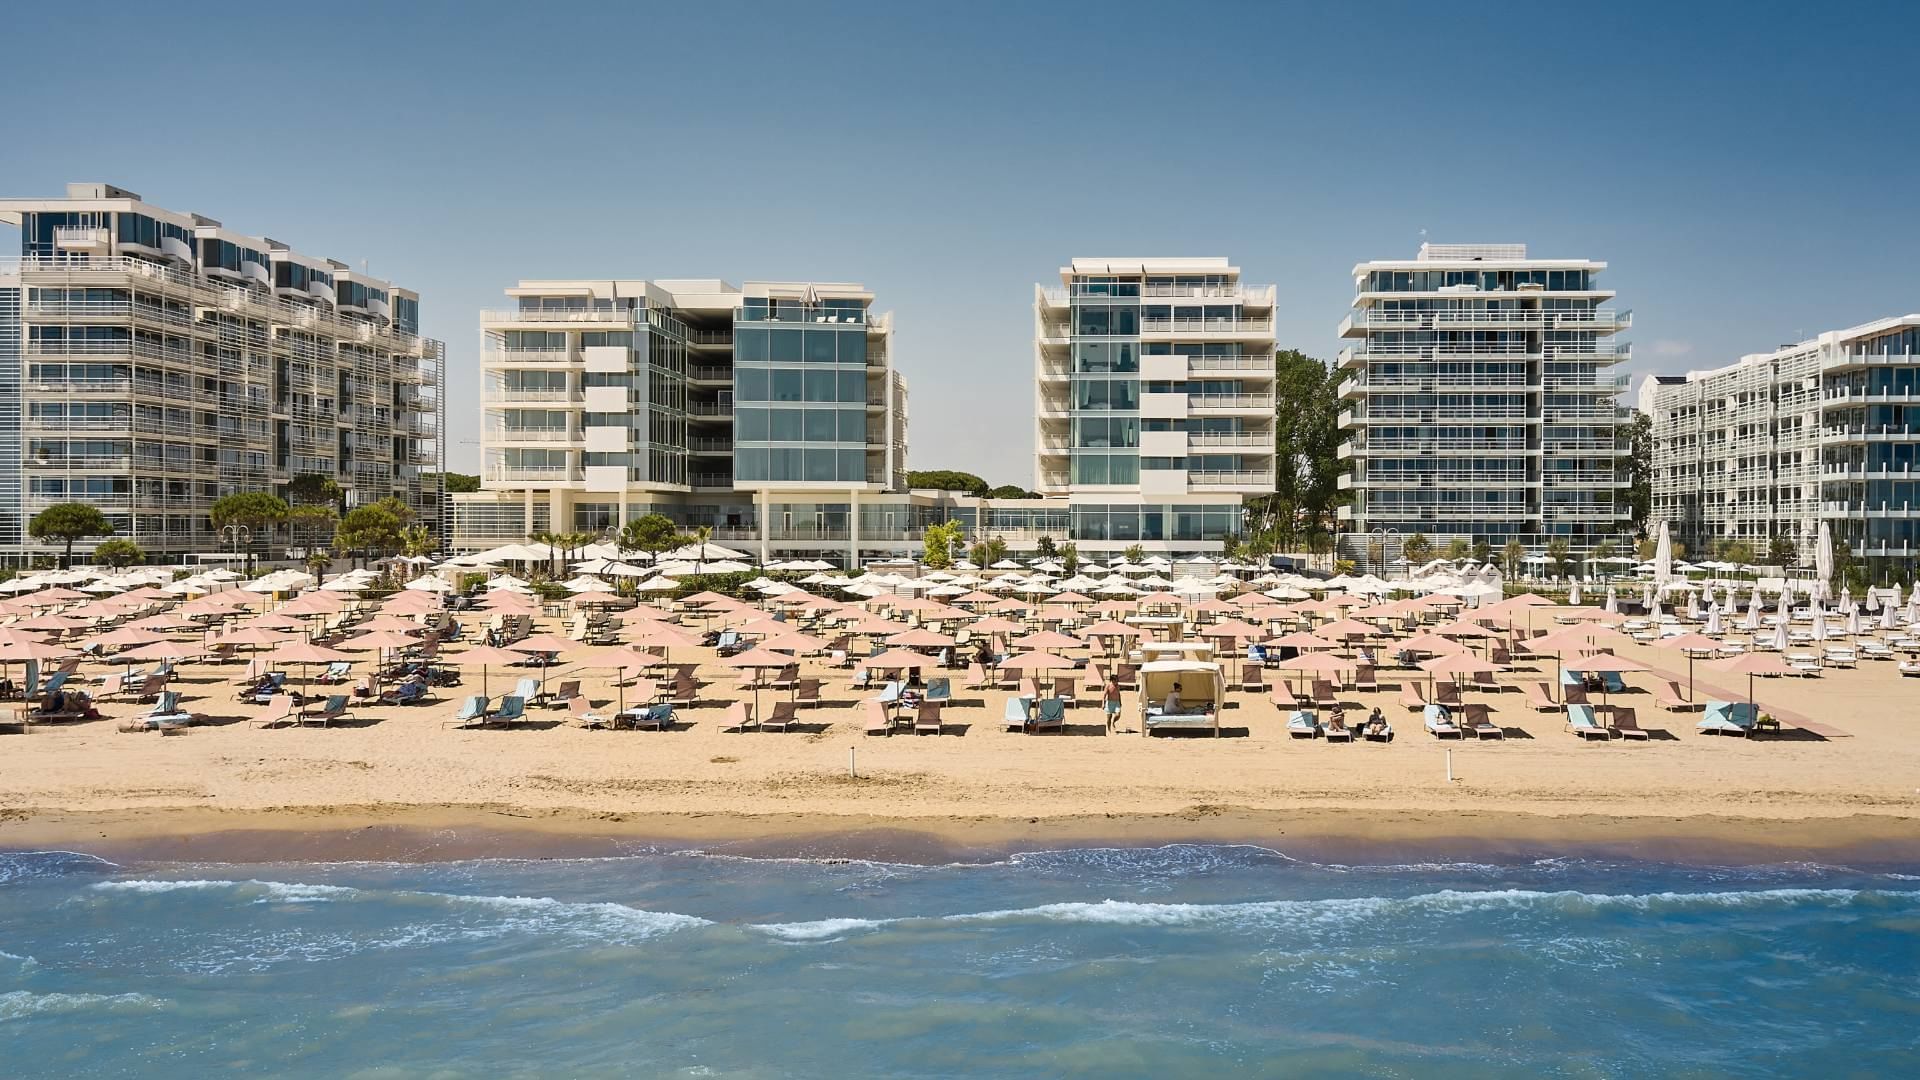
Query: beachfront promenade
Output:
(589,734)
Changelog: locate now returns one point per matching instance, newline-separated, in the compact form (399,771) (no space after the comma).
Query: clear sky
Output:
(1748,170)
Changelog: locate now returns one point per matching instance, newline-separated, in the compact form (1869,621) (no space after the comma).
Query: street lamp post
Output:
(236,535)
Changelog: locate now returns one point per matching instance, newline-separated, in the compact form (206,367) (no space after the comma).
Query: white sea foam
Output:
(20,1004)
(270,891)
(818,929)
(606,921)
(24,961)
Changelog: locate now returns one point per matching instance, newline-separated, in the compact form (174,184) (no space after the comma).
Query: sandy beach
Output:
(394,782)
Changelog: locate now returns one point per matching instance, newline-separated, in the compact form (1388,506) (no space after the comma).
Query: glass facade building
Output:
(1826,430)
(1480,403)
(152,361)
(1153,400)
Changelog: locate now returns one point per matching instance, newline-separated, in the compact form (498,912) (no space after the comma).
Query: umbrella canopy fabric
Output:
(1316,661)
(894,658)
(920,639)
(1035,661)
(1050,639)
(1460,663)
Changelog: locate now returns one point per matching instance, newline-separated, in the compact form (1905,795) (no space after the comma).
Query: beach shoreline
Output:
(426,834)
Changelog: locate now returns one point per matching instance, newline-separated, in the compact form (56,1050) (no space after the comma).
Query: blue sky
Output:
(1748,170)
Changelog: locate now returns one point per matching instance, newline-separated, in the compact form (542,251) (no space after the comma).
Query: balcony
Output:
(550,474)
(1235,478)
(1208,327)
(710,446)
(1228,403)
(710,373)
(517,395)
(526,357)
(710,408)
(89,463)
(508,318)
(1248,440)
(68,387)
(1870,433)
(710,481)
(1250,363)
(529,435)
(1497,319)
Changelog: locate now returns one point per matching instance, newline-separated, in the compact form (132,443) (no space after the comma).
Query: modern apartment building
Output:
(1824,430)
(1481,403)
(771,412)
(1153,401)
(152,361)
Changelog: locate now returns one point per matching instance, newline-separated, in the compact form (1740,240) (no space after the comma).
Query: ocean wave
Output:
(25,962)
(602,920)
(818,929)
(269,892)
(16,866)
(20,1004)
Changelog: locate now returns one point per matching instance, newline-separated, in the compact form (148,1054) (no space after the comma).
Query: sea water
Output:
(1188,960)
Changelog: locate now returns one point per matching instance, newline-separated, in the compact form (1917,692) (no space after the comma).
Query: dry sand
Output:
(395,783)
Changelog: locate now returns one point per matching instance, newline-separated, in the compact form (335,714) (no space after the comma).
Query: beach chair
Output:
(1385,734)
(879,722)
(1477,719)
(682,691)
(1323,694)
(1128,676)
(1626,724)
(407,693)
(889,694)
(1052,716)
(1613,682)
(1336,733)
(1439,722)
(1282,697)
(738,716)
(1413,695)
(1671,698)
(330,710)
(1537,698)
(807,691)
(940,691)
(1018,712)
(1447,694)
(527,689)
(658,717)
(1484,680)
(336,672)
(279,710)
(1302,725)
(1096,679)
(1365,681)
(110,685)
(1910,669)
(561,696)
(927,719)
(1727,718)
(786,678)
(1574,693)
(1253,679)
(977,678)
(781,717)
(1581,721)
(512,707)
(150,687)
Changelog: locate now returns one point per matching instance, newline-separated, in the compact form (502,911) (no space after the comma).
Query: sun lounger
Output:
(1448,694)
(581,710)
(279,710)
(782,716)
(1323,694)
(1626,723)
(1910,668)
(332,709)
(889,694)
(1477,720)
(879,721)
(1282,696)
(1581,721)
(1439,722)
(560,696)
(1574,693)
(1413,695)
(472,711)
(977,678)
(927,720)
(1018,712)
(1364,680)
(1537,698)
(1253,679)
(1671,698)
(1727,718)
(1385,734)
(1063,689)
(527,689)
(512,707)
(1051,716)
(658,717)
(1333,734)
(1302,725)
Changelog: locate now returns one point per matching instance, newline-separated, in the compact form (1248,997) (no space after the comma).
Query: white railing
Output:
(530,434)
(1229,401)
(1230,363)
(503,395)
(1230,478)
(1206,326)
(498,318)
(512,357)
(1205,438)
(552,473)
(1529,319)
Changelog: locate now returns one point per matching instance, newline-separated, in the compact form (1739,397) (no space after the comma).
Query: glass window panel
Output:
(750,384)
(820,464)
(785,425)
(786,384)
(750,344)
(820,425)
(853,466)
(820,346)
(822,385)
(853,386)
(853,349)
(783,464)
(783,346)
(853,425)
(750,425)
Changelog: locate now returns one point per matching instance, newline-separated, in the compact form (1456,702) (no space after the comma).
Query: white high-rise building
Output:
(152,361)
(1769,447)
(1481,402)
(770,412)
(1153,400)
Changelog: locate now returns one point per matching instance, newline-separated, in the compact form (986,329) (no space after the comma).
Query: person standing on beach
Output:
(1110,700)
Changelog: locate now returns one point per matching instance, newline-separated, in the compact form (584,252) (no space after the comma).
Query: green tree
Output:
(1012,491)
(1482,551)
(1046,548)
(1513,557)
(369,532)
(1640,471)
(1458,548)
(947,480)
(1603,550)
(458,483)
(1070,558)
(1782,551)
(1558,554)
(64,523)
(1134,553)
(989,551)
(699,537)
(651,533)
(313,489)
(417,540)
(118,553)
(317,564)
(937,544)
(1417,549)
(258,512)
(1306,429)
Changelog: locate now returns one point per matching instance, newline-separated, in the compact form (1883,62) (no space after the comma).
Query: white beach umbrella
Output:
(1846,597)
(1780,636)
(1752,621)
(1786,599)
(1573,595)
(1713,621)
(1889,616)
(1663,557)
(1823,561)
(658,584)
(1853,623)
(429,584)
(1819,621)
(1693,606)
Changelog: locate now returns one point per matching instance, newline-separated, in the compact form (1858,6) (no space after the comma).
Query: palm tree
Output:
(700,534)
(317,564)
(552,540)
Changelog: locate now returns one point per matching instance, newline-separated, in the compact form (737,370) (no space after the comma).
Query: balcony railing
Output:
(1210,439)
(530,434)
(515,357)
(1231,478)
(532,474)
(1229,402)
(1206,326)
(623,317)
(710,408)
(1249,362)
(531,396)
(1371,318)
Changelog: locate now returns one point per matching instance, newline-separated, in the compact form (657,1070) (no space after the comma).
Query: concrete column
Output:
(529,513)
(853,531)
(765,512)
